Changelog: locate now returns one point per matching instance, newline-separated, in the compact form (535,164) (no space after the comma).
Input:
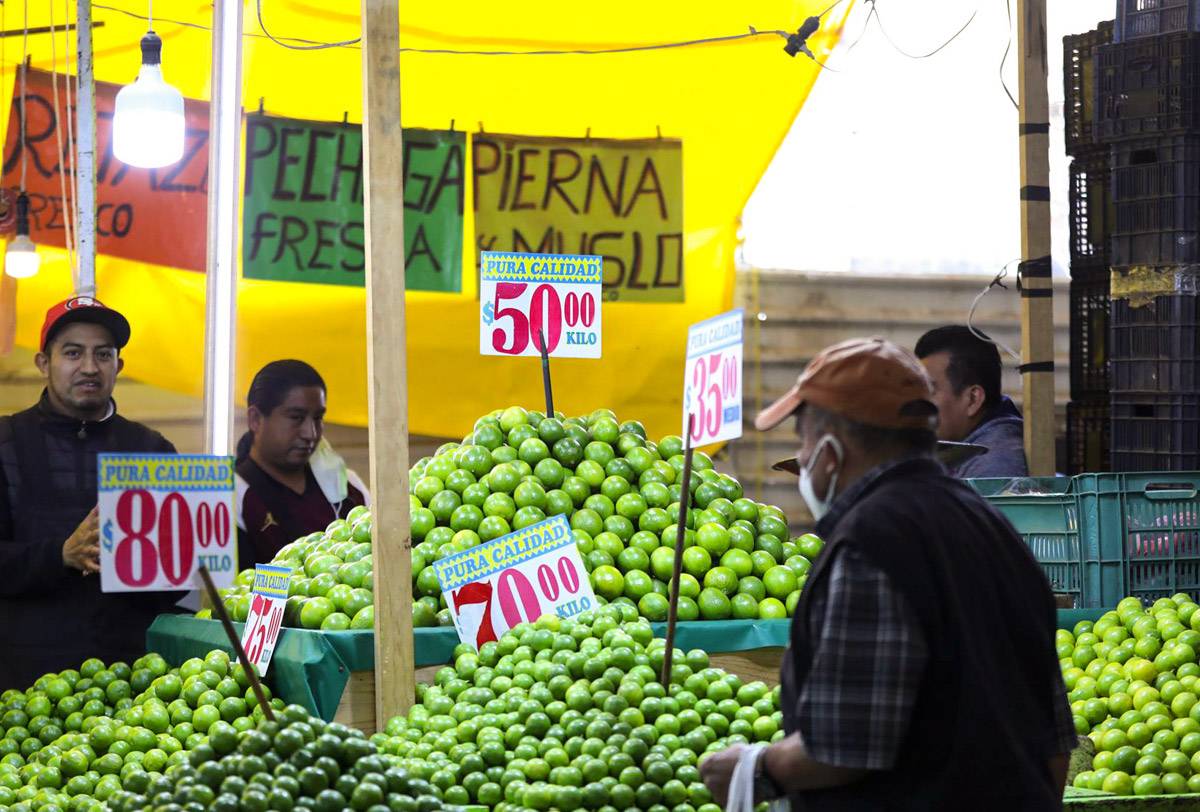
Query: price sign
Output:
(161,517)
(515,579)
(557,294)
(266,614)
(712,379)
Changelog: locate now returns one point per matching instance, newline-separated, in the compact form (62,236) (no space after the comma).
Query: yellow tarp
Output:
(730,103)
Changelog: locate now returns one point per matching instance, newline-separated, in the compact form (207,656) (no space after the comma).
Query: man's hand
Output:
(717,770)
(82,550)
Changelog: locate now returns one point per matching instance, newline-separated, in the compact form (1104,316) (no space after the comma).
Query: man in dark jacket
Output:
(53,615)
(921,673)
(965,370)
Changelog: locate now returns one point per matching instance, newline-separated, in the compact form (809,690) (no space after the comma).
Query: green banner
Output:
(621,200)
(303,212)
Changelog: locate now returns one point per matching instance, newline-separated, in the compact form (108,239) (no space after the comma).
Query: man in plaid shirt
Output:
(921,672)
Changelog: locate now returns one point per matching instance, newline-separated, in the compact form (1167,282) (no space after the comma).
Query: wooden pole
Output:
(387,364)
(1035,282)
(85,154)
(685,501)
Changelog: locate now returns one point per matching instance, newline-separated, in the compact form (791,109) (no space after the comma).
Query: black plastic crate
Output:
(1089,427)
(1147,87)
(1079,85)
(1156,347)
(1092,212)
(1155,432)
(1156,201)
(1089,333)
(1151,18)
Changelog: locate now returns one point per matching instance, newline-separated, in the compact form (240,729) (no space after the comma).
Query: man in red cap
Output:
(53,615)
(921,672)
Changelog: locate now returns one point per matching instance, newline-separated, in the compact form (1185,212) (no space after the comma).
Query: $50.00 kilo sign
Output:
(515,579)
(161,517)
(522,295)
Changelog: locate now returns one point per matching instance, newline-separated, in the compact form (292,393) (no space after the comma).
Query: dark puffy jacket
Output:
(51,616)
(1003,433)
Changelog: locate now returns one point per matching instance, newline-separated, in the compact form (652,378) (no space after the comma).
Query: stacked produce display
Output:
(1132,678)
(569,714)
(152,737)
(619,490)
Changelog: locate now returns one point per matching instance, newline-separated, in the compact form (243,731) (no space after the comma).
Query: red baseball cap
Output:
(85,309)
(868,380)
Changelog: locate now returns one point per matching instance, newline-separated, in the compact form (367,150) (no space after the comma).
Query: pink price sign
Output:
(161,517)
(515,579)
(266,614)
(522,296)
(712,379)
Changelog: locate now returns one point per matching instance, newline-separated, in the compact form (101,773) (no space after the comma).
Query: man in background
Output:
(54,615)
(965,370)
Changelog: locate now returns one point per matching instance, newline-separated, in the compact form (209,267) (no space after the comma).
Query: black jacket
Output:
(51,616)
(984,728)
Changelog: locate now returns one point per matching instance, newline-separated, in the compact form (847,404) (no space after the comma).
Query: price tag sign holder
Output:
(162,516)
(712,380)
(523,297)
(270,594)
(515,579)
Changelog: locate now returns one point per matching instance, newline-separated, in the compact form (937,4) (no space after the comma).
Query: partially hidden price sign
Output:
(712,379)
(266,614)
(524,295)
(161,517)
(515,579)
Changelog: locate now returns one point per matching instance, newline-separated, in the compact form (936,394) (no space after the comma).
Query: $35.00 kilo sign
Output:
(712,379)
(161,517)
(515,579)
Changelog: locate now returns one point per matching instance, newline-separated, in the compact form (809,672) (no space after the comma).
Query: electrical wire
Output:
(300,44)
(874,14)
(996,282)
(1004,59)
(24,72)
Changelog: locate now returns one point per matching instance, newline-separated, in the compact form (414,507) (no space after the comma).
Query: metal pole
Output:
(85,156)
(225,127)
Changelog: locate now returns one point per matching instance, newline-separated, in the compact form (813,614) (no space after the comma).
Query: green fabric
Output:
(1067,618)
(1094,801)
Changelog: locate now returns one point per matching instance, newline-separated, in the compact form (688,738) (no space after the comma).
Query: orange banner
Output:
(149,215)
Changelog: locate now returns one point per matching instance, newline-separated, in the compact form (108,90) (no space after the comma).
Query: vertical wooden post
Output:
(1036,284)
(85,155)
(387,364)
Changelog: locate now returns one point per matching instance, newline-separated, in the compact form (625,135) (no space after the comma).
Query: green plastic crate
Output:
(1045,511)
(1101,537)
(1151,522)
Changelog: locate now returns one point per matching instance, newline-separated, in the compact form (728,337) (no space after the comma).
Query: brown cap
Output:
(868,380)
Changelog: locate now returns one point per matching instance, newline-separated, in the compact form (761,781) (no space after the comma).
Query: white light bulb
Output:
(148,122)
(21,259)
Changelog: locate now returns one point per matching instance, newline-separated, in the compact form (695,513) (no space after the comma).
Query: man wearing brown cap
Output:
(53,615)
(921,672)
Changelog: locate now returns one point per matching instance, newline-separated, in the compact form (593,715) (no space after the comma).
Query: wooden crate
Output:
(760,664)
(357,708)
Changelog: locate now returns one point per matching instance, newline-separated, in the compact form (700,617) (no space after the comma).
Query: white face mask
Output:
(820,506)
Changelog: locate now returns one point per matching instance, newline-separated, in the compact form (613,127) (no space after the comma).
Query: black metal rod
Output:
(685,501)
(546,374)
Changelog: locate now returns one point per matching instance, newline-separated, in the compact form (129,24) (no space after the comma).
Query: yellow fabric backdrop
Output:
(731,104)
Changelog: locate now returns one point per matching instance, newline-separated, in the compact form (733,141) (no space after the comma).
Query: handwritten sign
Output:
(148,215)
(524,295)
(712,379)
(266,614)
(515,579)
(303,213)
(161,516)
(620,200)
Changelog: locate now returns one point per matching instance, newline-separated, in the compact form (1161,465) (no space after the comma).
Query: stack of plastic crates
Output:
(1091,222)
(1147,113)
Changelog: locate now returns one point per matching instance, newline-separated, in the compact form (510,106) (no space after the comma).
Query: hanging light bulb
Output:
(148,123)
(21,259)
